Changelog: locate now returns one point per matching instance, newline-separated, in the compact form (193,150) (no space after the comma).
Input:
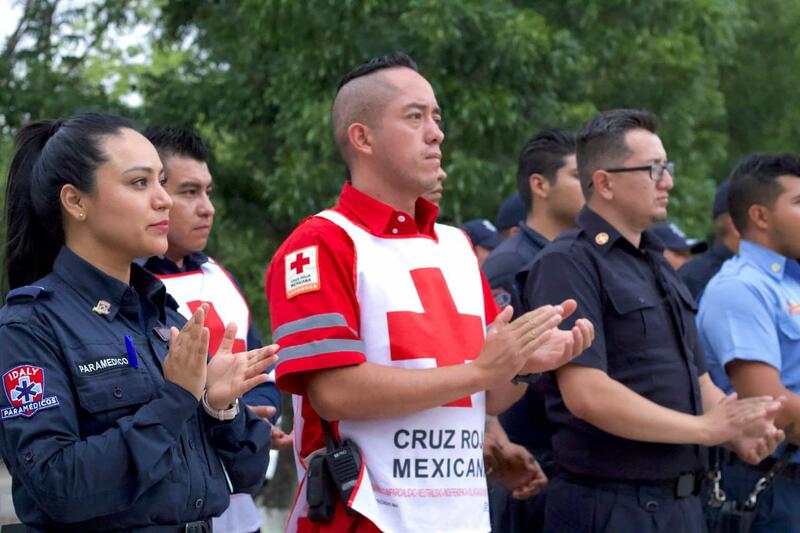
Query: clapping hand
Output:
(230,375)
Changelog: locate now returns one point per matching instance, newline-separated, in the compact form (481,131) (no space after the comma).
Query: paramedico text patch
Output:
(96,366)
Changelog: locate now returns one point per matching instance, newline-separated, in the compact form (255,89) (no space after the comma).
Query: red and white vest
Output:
(214,286)
(421,306)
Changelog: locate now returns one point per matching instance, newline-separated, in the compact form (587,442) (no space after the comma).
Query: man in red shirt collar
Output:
(387,124)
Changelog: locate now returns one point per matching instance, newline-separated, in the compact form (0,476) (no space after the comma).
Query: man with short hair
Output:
(699,271)
(381,315)
(193,278)
(547,182)
(749,320)
(635,412)
(678,248)
(550,192)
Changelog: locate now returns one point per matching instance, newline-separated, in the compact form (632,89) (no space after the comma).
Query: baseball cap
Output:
(721,199)
(482,233)
(674,239)
(512,211)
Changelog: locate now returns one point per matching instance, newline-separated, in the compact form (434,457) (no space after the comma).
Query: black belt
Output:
(199,526)
(682,486)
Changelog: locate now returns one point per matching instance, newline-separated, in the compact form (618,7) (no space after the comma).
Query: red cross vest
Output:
(421,306)
(214,286)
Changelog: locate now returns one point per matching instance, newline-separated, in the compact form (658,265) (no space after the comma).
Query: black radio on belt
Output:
(320,491)
(335,471)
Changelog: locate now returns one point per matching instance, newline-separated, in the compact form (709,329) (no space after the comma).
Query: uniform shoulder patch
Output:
(25,389)
(302,271)
(26,293)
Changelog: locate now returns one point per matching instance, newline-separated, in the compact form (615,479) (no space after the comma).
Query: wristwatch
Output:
(221,414)
(525,378)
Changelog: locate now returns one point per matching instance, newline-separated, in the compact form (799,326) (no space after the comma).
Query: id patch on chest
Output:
(25,390)
(96,366)
(302,272)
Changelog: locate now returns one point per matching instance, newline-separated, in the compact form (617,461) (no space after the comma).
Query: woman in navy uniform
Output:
(110,418)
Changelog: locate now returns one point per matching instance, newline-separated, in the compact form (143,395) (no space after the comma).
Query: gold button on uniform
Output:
(776,267)
(601,238)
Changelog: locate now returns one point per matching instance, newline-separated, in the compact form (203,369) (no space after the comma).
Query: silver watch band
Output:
(222,414)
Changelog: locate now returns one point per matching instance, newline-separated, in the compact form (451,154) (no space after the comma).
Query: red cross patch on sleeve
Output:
(302,272)
(24,386)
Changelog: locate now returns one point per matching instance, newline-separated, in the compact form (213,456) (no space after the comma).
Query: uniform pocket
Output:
(105,381)
(634,316)
(121,388)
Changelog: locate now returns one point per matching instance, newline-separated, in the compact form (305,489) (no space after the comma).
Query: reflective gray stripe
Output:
(327,320)
(320,347)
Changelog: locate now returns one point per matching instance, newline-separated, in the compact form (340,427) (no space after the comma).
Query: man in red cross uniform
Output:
(381,316)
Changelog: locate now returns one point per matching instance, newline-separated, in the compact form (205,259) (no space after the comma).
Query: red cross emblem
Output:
(439,332)
(302,272)
(299,264)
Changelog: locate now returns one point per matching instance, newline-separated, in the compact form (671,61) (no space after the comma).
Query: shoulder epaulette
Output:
(26,293)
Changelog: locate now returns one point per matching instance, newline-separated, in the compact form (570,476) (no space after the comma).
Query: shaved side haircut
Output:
(363,94)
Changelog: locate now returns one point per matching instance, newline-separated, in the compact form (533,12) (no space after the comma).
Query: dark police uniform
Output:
(525,422)
(645,338)
(698,272)
(95,441)
(502,265)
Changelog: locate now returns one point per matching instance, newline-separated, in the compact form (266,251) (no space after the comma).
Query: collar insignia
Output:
(102,308)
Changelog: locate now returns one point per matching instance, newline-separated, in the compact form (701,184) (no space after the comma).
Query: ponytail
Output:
(48,155)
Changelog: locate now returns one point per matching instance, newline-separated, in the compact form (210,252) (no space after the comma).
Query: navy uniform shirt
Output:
(505,261)
(525,422)
(94,442)
(698,272)
(645,338)
(265,393)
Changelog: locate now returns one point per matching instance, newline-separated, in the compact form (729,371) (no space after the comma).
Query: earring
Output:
(80,215)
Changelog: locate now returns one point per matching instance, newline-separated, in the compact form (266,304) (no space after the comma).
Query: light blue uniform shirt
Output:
(751,311)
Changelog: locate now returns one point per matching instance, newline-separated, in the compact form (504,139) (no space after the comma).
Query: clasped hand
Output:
(532,343)
(746,426)
(227,376)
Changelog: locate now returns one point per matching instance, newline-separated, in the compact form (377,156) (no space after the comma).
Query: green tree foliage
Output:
(257,78)
(761,98)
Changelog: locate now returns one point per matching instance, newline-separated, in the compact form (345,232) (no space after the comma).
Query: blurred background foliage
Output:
(257,77)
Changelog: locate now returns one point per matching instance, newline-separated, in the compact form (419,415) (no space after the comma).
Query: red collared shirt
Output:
(323,324)
(319,327)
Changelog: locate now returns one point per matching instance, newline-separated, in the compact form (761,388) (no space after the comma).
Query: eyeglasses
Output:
(656,170)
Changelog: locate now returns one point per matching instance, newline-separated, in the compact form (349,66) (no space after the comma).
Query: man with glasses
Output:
(635,412)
